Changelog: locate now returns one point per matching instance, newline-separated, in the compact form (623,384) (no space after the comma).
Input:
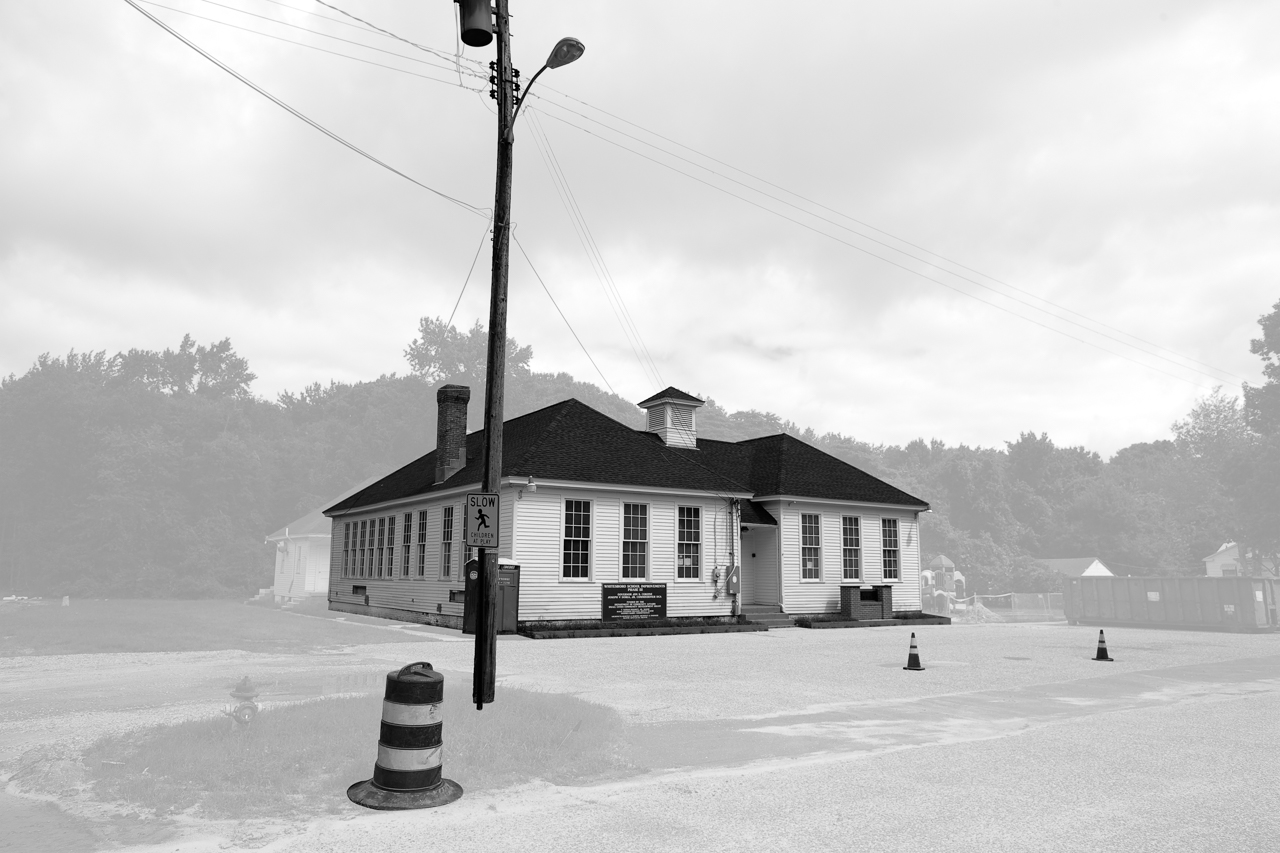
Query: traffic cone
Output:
(1102,648)
(913,656)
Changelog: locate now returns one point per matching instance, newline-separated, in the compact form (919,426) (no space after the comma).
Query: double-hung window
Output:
(810,546)
(422,543)
(364,526)
(689,542)
(346,549)
(391,546)
(635,540)
(446,543)
(382,537)
(851,536)
(577,539)
(407,545)
(889,547)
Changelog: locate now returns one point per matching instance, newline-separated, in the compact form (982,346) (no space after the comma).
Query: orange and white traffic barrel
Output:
(408,773)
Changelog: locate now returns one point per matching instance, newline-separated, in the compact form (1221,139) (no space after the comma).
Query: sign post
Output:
(480,528)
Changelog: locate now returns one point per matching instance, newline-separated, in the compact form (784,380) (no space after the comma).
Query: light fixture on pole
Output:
(567,50)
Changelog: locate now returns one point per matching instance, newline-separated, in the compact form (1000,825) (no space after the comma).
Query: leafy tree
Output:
(1263,403)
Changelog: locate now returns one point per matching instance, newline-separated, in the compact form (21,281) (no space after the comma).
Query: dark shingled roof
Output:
(572,441)
(565,441)
(670,393)
(783,465)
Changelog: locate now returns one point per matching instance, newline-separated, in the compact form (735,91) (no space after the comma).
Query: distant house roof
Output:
(571,441)
(1074,567)
(315,523)
(1226,546)
(670,393)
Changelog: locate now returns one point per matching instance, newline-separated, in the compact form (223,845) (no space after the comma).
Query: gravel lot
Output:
(1011,739)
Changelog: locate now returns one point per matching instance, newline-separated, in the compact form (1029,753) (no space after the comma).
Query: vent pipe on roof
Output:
(451,430)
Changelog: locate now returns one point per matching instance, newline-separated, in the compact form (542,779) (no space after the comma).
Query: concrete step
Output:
(761,608)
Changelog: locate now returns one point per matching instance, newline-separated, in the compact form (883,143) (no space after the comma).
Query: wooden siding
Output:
(428,594)
(823,595)
(546,595)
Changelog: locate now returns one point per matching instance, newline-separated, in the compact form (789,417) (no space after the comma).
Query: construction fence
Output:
(1007,607)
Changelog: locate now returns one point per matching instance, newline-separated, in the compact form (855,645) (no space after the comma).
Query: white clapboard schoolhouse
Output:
(593,511)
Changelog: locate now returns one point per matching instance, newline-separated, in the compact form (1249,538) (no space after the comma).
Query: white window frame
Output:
(391,546)
(622,557)
(422,545)
(448,538)
(364,526)
(851,553)
(811,548)
(697,576)
(406,549)
(896,551)
(565,539)
(382,536)
(346,548)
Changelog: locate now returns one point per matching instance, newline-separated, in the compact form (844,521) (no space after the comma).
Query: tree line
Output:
(158,474)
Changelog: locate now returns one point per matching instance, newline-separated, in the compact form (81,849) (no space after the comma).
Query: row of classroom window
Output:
(369,546)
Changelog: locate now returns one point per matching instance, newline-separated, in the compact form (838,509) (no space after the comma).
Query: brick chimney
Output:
(451,430)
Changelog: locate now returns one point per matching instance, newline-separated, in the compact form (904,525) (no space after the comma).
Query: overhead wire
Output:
(883,243)
(891,247)
(470,208)
(608,274)
(547,290)
(889,261)
(546,88)
(488,226)
(304,44)
(594,256)
(908,269)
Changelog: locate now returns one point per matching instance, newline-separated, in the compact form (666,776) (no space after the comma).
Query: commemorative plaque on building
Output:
(626,602)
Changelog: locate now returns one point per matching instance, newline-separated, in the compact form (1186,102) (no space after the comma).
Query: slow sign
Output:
(481,524)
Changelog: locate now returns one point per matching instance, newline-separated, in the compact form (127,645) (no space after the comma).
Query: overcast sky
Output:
(1117,163)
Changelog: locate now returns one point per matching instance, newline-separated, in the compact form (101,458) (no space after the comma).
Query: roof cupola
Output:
(670,414)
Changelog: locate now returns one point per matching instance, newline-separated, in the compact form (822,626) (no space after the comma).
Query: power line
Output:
(893,248)
(310,32)
(852,231)
(855,220)
(608,275)
(470,208)
(562,317)
(467,280)
(881,257)
(388,33)
(589,246)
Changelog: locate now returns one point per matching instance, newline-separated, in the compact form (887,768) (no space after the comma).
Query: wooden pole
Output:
(483,677)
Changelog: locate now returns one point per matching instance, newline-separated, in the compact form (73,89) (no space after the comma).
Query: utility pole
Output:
(478,20)
(483,672)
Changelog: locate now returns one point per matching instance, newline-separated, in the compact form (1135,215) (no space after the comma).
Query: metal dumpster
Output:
(1216,604)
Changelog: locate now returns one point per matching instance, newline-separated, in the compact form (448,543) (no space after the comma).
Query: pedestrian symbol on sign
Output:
(481,520)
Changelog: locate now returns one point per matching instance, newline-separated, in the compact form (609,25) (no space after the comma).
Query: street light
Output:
(567,50)
(477,30)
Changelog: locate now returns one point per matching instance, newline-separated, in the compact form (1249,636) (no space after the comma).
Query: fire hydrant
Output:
(244,709)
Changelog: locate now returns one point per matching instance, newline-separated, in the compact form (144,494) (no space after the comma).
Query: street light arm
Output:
(525,93)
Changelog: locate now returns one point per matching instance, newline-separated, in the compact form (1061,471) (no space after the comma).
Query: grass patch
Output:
(155,625)
(301,759)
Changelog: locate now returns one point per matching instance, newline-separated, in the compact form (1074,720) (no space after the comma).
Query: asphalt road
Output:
(1011,739)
